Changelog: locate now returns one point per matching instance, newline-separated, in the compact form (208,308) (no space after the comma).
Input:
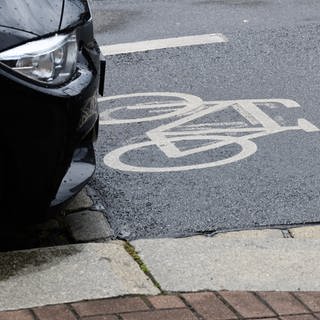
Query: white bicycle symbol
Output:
(212,136)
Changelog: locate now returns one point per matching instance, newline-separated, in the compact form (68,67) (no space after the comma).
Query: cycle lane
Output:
(277,185)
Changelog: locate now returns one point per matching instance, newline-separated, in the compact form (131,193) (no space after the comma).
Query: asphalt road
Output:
(241,146)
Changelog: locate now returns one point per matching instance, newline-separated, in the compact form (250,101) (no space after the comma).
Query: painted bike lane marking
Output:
(255,124)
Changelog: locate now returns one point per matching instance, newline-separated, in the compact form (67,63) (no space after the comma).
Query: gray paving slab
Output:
(204,263)
(61,274)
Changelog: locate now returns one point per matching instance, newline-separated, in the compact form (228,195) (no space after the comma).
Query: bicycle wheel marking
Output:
(113,160)
(188,102)
(253,123)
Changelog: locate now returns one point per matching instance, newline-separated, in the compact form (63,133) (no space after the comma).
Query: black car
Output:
(51,72)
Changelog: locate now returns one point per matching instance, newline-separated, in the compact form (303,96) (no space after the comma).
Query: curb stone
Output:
(84,221)
(79,222)
(80,202)
(86,226)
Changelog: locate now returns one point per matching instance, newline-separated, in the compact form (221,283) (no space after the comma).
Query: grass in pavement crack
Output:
(133,253)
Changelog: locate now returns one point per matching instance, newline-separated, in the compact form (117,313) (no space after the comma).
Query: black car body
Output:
(51,71)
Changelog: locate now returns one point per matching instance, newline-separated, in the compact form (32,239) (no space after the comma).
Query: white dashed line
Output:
(141,46)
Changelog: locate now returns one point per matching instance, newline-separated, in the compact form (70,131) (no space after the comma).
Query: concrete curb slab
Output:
(203,263)
(69,273)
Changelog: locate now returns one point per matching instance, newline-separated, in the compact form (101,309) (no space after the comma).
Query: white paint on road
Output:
(142,46)
(200,137)
(155,110)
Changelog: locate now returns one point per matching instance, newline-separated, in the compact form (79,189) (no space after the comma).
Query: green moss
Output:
(131,250)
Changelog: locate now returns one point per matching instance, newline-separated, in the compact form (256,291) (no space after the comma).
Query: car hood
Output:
(33,16)
(21,21)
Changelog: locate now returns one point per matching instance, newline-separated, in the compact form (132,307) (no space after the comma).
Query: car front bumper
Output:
(47,137)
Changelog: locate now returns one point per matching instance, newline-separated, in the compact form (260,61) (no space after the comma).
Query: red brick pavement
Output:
(221,305)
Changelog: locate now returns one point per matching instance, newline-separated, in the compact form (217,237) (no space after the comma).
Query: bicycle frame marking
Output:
(166,136)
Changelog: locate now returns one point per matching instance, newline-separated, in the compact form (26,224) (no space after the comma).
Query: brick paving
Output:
(221,305)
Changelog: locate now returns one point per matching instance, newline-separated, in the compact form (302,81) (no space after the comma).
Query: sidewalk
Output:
(187,306)
(250,274)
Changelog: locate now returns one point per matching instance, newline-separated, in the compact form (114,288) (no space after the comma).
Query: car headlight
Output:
(51,61)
